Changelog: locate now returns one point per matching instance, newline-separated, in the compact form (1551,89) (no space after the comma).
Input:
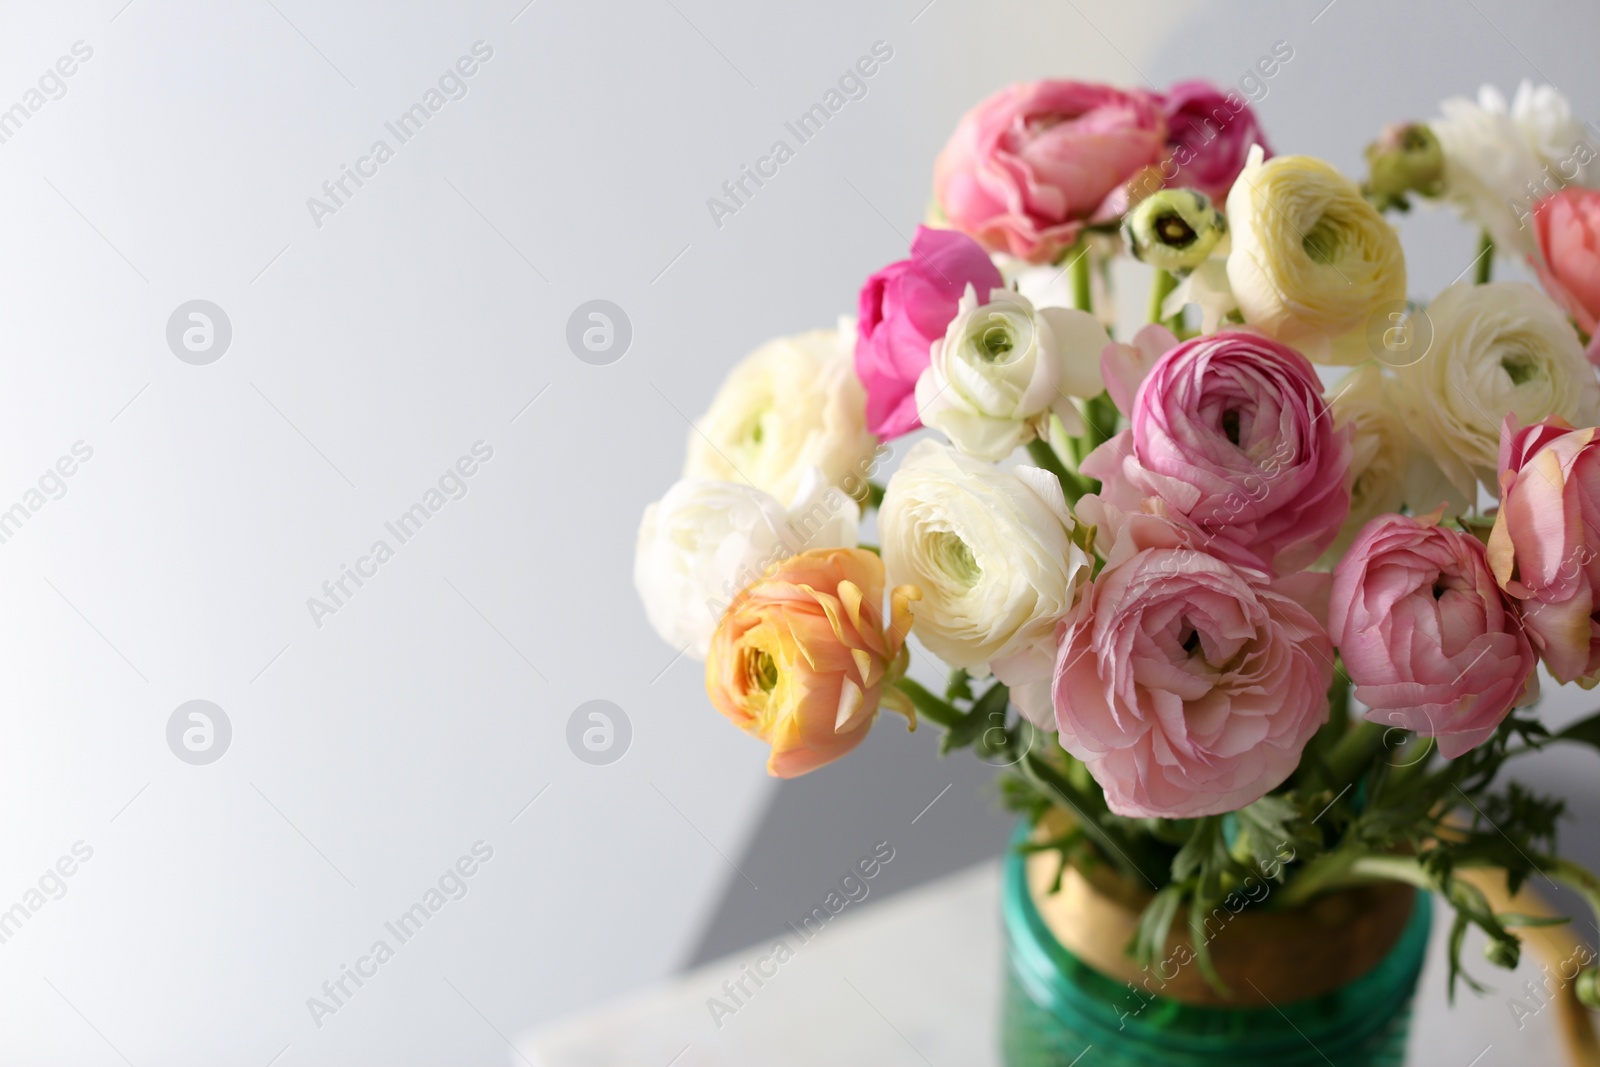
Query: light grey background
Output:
(367,356)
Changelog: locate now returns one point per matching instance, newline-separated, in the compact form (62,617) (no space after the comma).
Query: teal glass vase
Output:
(1056,1008)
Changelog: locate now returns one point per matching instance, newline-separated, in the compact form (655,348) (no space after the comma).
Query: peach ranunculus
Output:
(1567,227)
(803,658)
(1545,545)
(1026,169)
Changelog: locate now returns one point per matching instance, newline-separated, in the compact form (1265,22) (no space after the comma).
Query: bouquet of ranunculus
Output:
(1227,602)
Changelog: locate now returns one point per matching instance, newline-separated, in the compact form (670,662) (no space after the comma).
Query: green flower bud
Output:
(1503,953)
(1406,158)
(1588,987)
(1174,230)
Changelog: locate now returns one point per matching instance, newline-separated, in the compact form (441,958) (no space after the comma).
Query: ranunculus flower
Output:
(904,309)
(1567,227)
(803,659)
(1188,686)
(1030,165)
(1174,230)
(1545,545)
(704,542)
(991,551)
(1380,449)
(1498,157)
(1311,260)
(1003,367)
(792,404)
(1232,433)
(1389,470)
(1498,349)
(1427,637)
(1209,134)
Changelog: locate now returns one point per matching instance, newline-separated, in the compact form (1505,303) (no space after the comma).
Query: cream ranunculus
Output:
(704,542)
(1311,260)
(792,404)
(1380,449)
(991,550)
(1500,158)
(1498,349)
(1003,367)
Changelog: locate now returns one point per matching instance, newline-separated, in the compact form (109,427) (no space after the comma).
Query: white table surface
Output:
(914,981)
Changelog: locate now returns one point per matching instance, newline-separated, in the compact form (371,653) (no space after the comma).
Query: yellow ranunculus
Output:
(803,659)
(1312,261)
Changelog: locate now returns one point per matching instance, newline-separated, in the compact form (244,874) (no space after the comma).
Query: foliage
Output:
(1369,803)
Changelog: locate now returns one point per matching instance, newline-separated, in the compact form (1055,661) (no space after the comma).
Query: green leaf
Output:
(988,713)
(1118,848)
(959,686)
(1586,730)
(1512,918)
(929,706)
(1155,925)
(1458,936)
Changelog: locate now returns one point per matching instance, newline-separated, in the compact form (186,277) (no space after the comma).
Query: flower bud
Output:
(1406,158)
(1588,987)
(1174,230)
(1503,953)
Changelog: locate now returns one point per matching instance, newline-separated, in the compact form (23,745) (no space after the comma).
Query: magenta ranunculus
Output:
(1209,134)
(1231,432)
(904,308)
(1030,165)
(1545,546)
(1427,637)
(1188,686)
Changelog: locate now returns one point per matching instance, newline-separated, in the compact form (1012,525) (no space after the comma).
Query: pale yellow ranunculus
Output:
(1312,261)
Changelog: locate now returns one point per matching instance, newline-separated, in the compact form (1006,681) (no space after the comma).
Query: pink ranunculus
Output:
(1567,227)
(1209,134)
(1189,686)
(1427,637)
(904,308)
(1232,433)
(1544,549)
(1030,165)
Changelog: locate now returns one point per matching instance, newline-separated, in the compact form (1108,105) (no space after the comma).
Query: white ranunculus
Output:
(1003,367)
(1498,349)
(992,553)
(1388,467)
(1500,158)
(792,404)
(704,542)
(1208,288)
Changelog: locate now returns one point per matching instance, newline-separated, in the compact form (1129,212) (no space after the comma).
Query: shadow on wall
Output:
(937,815)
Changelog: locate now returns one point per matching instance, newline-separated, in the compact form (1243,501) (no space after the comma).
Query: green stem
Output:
(930,706)
(1353,753)
(1073,485)
(1120,853)
(1327,869)
(874,496)
(1575,876)
(1161,286)
(1314,761)
(1485,257)
(1079,268)
(1101,415)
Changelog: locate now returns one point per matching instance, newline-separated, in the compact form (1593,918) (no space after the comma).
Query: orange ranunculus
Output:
(802,659)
